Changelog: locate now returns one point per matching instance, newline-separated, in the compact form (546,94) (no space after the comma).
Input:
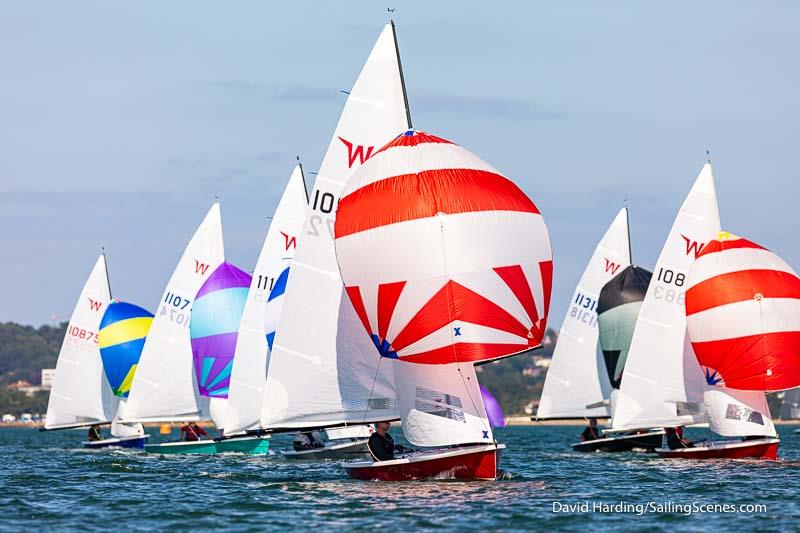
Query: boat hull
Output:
(206,446)
(252,445)
(748,449)
(467,463)
(334,452)
(135,442)
(248,444)
(623,443)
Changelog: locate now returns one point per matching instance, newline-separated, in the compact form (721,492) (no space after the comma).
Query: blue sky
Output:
(119,122)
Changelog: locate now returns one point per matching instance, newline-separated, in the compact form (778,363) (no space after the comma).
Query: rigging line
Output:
(450,318)
(372,388)
(366,408)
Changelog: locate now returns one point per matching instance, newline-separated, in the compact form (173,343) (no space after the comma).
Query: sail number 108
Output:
(669,276)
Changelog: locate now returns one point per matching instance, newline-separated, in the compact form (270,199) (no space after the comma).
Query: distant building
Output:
(25,387)
(8,418)
(48,377)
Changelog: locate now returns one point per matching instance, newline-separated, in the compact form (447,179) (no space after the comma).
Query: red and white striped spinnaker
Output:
(743,316)
(447,263)
(444,258)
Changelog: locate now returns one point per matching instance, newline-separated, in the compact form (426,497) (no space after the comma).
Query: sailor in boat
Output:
(191,432)
(675,440)
(590,432)
(308,440)
(94,433)
(381,444)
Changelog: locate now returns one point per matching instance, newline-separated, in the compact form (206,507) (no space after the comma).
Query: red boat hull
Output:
(754,449)
(473,462)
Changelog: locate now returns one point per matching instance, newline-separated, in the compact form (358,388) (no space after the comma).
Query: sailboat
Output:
(577,384)
(164,387)
(447,264)
(257,327)
(323,371)
(662,385)
(618,308)
(743,318)
(81,395)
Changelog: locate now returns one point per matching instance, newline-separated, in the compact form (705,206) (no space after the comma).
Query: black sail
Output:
(617,310)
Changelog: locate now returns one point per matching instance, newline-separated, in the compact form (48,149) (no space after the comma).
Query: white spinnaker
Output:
(81,394)
(441,405)
(577,377)
(164,387)
(738,413)
(324,370)
(663,384)
(249,373)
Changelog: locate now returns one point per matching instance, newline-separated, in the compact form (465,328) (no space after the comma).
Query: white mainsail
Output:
(663,384)
(577,377)
(441,405)
(249,373)
(323,368)
(738,413)
(164,386)
(81,394)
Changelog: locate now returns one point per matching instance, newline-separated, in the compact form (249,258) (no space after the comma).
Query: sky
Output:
(120,122)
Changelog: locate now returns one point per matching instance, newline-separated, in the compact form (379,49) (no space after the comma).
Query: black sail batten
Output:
(617,310)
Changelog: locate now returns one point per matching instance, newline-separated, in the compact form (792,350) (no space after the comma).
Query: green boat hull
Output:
(248,445)
(171,448)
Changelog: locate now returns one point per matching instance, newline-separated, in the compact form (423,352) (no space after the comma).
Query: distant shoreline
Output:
(520,420)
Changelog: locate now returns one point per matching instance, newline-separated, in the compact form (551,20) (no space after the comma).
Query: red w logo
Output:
(290,241)
(611,266)
(200,268)
(94,305)
(357,152)
(693,246)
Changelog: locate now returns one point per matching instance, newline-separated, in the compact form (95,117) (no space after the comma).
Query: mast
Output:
(402,78)
(303,177)
(628,227)
(108,281)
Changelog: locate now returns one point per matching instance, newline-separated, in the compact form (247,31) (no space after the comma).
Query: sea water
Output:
(48,479)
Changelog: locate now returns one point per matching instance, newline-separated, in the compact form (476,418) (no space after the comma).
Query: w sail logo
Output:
(611,266)
(693,246)
(291,242)
(94,305)
(356,152)
(200,268)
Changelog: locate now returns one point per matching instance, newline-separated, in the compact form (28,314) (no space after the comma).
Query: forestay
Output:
(249,374)
(323,369)
(663,385)
(164,387)
(576,377)
(81,394)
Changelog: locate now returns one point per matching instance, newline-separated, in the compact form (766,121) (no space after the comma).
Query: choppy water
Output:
(46,478)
